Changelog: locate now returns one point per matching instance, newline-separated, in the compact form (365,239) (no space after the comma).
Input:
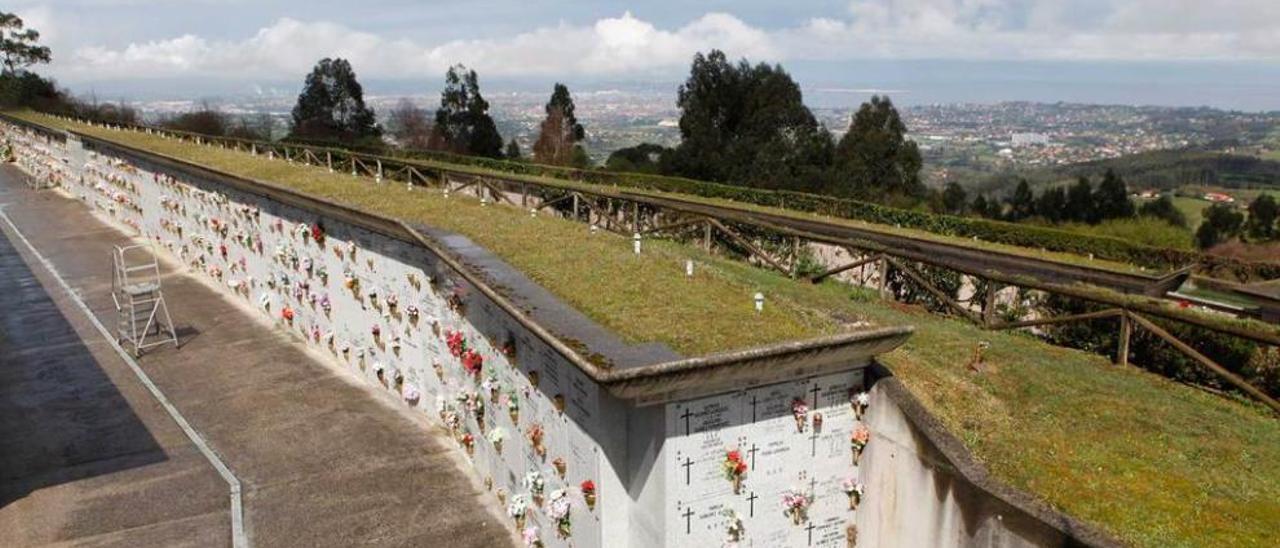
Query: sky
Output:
(244,44)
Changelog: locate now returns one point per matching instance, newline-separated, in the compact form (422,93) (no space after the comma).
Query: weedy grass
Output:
(1154,462)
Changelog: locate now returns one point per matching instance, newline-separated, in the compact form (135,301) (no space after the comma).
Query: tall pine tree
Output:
(1112,198)
(331,106)
(560,133)
(463,124)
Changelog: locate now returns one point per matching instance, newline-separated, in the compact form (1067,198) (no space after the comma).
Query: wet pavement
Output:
(89,457)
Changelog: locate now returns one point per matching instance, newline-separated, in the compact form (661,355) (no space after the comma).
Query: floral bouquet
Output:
(495,437)
(860,403)
(559,509)
(491,386)
(535,434)
(513,406)
(858,441)
(853,489)
(535,484)
(734,469)
(589,493)
(469,443)
(734,529)
(518,508)
(473,362)
(795,504)
(531,538)
(800,410)
(457,344)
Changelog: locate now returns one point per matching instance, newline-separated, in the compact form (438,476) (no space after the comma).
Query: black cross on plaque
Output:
(810,530)
(688,463)
(751,510)
(815,391)
(688,524)
(814,437)
(752,452)
(753,408)
(687,413)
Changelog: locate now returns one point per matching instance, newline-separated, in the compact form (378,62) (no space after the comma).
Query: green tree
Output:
(1163,208)
(642,158)
(979,206)
(463,124)
(1080,204)
(1022,203)
(1112,197)
(1052,204)
(747,125)
(331,106)
(954,198)
(1262,217)
(18,47)
(513,150)
(560,133)
(1221,223)
(205,120)
(875,156)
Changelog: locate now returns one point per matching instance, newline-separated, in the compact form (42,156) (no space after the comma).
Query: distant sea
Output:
(1230,85)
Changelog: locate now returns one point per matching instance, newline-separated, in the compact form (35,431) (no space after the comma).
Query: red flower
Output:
(588,487)
(287,313)
(317,233)
(457,345)
(472,361)
(734,456)
(741,468)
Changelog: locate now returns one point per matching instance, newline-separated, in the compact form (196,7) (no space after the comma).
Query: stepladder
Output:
(143,319)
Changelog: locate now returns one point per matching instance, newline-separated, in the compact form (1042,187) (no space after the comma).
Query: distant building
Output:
(1219,197)
(1029,139)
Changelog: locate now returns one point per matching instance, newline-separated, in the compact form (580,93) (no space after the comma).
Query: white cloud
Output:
(627,45)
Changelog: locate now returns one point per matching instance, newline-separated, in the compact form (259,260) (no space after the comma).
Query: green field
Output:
(1154,462)
(1192,208)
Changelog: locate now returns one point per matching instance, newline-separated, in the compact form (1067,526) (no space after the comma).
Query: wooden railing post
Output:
(1122,349)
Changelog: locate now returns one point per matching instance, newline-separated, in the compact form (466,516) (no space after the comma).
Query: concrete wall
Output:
(924,489)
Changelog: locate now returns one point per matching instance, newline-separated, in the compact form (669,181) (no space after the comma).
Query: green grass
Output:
(1153,462)
(1192,209)
(1142,230)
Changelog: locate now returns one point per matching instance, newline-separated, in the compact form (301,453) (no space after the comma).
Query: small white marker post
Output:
(635,242)
(688,267)
(759,302)
(484,201)
(594,229)
(533,212)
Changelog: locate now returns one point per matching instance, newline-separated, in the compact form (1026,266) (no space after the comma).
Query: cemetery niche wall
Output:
(762,447)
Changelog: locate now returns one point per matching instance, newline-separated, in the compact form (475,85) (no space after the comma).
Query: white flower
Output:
(863,399)
(497,435)
(519,505)
(559,505)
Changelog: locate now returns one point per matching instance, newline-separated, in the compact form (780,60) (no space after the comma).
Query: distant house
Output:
(1149,194)
(1219,197)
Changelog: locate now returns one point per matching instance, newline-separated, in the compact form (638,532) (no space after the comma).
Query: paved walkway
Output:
(89,457)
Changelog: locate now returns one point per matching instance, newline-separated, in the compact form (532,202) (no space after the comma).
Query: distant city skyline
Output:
(1161,52)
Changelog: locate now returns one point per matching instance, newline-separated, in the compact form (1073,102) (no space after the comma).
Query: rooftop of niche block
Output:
(647,300)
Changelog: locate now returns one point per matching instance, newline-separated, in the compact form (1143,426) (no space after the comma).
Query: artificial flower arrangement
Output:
(411,394)
(817,422)
(530,537)
(491,386)
(352,283)
(496,436)
(535,434)
(456,343)
(560,465)
(734,528)
(558,402)
(535,484)
(513,406)
(473,362)
(325,304)
(860,401)
(469,442)
(518,509)
(317,233)
(795,504)
(439,370)
(800,410)
(412,312)
(588,488)
(287,314)
(560,509)
(853,489)
(858,441)
(735,469)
